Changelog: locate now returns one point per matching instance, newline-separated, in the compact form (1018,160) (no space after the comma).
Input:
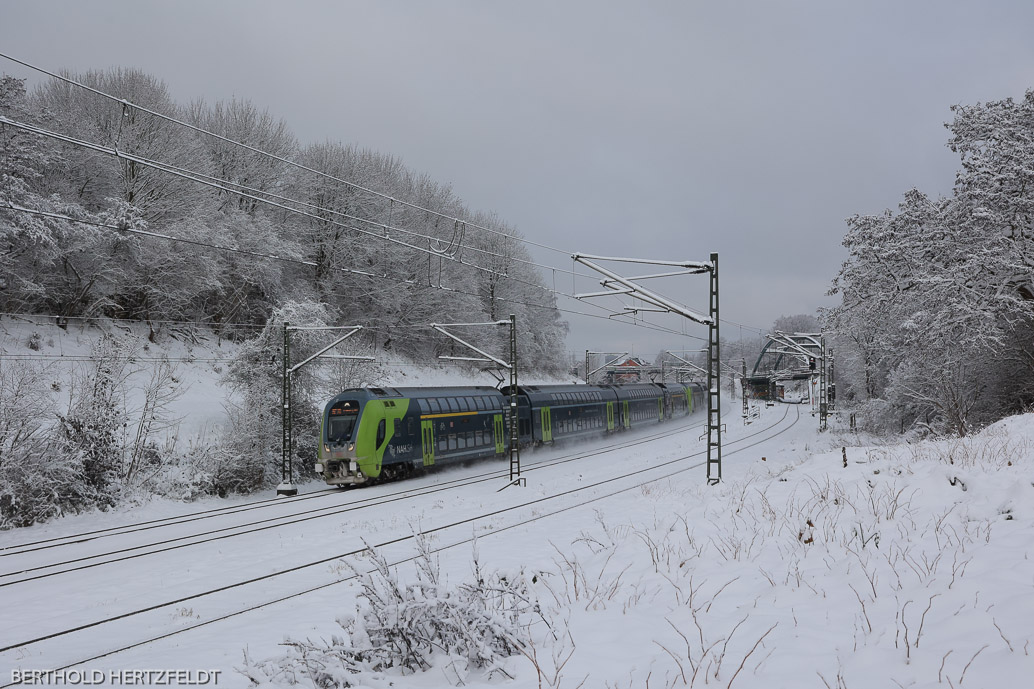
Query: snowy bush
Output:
(399,629)
(95,451)
(36,480)
(94,427)
(256,377)
(37,486)
(242,461)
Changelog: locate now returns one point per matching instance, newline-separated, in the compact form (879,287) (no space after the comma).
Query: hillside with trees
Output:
(353,229)
(117,202)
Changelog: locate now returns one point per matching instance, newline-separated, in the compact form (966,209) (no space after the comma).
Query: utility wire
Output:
(196,177)
(395,280)
(56,317)
(391,199)
(201,178)
(131,358)
(286,161)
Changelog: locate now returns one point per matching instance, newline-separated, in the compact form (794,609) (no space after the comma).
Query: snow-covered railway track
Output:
(14,574)
(85,536)
(129,637)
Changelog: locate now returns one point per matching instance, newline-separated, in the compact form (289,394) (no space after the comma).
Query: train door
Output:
(547,425)
(610,416)
(626,416)
(427,439)
(500,434)
(660,409)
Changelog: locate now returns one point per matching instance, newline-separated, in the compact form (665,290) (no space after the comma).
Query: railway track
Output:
(13,574)
(605,489)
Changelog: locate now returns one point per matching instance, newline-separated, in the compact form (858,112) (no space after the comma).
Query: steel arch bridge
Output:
(785,356)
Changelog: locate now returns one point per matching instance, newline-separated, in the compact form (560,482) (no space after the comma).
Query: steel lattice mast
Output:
(628,287)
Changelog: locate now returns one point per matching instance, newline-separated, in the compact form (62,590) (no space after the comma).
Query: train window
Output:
(479,402)
(434,406)
(381,430)
(443,443)
(453,405)
(453,443)
(340,428)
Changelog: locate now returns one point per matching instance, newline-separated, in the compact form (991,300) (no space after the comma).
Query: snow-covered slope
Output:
(912,566)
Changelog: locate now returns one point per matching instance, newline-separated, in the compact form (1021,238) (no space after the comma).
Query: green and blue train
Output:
(387,433)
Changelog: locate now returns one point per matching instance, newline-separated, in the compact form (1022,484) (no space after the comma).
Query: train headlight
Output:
(319,468)
(351,446)
(326,448)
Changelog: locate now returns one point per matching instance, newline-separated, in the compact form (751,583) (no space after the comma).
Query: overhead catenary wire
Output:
(460,224)
(158,235)
(207,181)
(157,321)
(281,159)
(449,250)
(390,198)
(132,358)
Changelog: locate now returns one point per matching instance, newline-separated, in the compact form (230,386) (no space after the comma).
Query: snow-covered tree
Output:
(241,121)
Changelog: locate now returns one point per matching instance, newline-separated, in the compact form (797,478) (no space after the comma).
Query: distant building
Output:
(632,370)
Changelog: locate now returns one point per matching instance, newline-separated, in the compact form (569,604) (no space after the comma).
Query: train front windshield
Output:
(342,420)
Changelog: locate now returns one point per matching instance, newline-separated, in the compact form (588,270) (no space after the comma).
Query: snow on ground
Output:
(199,359)
(912,566)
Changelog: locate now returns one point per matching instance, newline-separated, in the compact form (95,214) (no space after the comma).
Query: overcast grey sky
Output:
(654,129)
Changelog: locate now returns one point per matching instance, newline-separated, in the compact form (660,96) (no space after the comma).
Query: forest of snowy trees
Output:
(108,211)
(935,329)
(380,259)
